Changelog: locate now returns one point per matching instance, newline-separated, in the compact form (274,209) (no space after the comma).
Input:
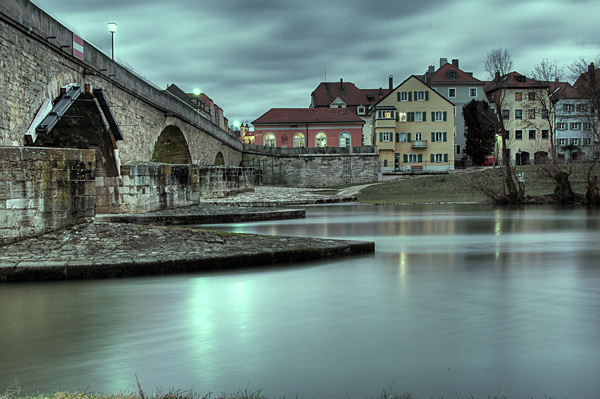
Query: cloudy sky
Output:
(253,55)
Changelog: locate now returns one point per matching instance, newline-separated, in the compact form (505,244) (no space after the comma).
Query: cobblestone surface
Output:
(101,249)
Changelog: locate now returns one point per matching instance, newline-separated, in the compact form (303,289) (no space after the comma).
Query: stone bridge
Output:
(58,90)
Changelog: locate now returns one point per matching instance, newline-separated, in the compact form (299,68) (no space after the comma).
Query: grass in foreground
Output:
(459,187)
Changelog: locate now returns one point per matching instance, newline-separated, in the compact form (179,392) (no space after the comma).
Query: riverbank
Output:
(154,243)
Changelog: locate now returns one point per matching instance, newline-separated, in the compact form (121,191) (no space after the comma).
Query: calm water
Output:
(456,300)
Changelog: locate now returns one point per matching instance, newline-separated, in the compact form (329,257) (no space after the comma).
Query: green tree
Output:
(479,130)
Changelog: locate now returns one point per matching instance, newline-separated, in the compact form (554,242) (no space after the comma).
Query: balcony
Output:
(418,144)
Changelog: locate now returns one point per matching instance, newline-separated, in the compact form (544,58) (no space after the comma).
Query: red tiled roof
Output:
(352,96)
(513,80)
(308,115)
(440,77)
(564,90)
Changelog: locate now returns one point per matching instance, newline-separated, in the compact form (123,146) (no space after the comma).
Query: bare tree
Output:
(498,60)
(588,85)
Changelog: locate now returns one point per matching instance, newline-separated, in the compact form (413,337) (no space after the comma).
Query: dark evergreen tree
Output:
(479,130)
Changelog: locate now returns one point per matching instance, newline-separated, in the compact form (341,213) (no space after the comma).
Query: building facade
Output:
(413,129)
(308,127)
(460,88)
(347,96)
(522,105)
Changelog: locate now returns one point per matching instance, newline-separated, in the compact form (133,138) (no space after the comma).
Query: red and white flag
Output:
(77,46)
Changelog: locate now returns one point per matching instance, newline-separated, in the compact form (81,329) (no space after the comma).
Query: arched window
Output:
(345,139)
(269,140)
(321,140)
(298,140)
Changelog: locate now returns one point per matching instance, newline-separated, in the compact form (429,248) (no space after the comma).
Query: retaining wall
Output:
(44,189)
(313,167)
(150,186)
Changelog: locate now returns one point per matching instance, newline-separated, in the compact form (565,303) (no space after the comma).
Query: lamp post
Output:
(112,28)
(197,93)
(519,154)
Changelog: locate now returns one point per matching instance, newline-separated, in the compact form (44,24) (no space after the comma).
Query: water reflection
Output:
(456,299)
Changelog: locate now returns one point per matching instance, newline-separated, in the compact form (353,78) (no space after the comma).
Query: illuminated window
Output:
(386,114)
(299,140)
(321,139)
(518,96)
(402,116)
(531,114)
(531,96)
(269,140)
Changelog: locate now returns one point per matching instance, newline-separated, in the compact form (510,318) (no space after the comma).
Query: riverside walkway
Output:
(156,243)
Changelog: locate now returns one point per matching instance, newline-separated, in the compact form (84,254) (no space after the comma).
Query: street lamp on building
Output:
(197,93)
(112,28)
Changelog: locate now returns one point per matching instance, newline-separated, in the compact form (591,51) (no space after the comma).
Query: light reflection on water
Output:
(456,299)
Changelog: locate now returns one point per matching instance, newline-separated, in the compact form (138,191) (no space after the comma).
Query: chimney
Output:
(455,62)
(431,69)
(443,61)
(497,76)
(391,82)
(342,85)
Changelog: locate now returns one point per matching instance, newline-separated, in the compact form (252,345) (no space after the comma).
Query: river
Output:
(456,300)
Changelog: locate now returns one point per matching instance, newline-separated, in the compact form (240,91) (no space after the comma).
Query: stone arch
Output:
(219,159)
(171,147)
(540,157)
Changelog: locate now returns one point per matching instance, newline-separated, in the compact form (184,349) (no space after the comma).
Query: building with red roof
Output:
(308,127)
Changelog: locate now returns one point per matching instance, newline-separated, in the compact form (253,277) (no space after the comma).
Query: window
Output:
(458,149)
(544,114)
(562,142)
(452,75)
(439,137)
(401,138)
(561,125)
(531,96)
(361,110)
(299,140)
(386,137)
(587,126)
(473,92)
(386,114)
(418,136)
(438,116)
(532,135)
(531,114)
(422,96)
(568,107)
(345,139)
(518,135)
(518,96)
(402,117)
(518,114)
(439,158)
(575,126)
(574,141)
(419,116)
(587,141)
(545,134)
(505,114)
(320,140)
(452,92)
(269,140)
(413,158)
(404,96)
(581,107)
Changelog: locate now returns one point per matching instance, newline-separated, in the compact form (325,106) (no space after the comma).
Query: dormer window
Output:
(452,75)
(521,79)
(361,110)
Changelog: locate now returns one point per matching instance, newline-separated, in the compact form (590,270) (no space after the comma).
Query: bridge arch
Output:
(172,147)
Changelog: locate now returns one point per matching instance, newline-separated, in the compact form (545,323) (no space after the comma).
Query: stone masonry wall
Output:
(44,189)
(36,61)
(150,186)
(312,167)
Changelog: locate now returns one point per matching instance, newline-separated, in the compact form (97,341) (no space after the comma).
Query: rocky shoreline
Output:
(156,243)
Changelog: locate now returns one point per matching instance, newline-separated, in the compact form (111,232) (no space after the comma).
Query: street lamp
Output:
(520,159)
(197,93)
(112,28)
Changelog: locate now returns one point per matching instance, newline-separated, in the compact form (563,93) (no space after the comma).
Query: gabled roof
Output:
(441,77)
(307,115)
(513,80)
(564,90)
(352,96)
(419,79)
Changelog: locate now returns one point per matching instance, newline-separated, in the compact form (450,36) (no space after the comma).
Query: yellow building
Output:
(523,105)
(413,129)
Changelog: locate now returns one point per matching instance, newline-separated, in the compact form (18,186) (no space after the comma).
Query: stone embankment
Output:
(105,248)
